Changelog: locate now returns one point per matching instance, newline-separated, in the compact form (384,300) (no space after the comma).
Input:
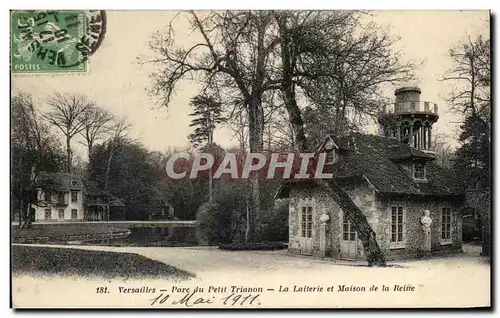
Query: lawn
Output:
(76,262)
(64,233)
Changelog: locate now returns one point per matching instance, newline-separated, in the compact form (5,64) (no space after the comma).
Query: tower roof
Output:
(407,89)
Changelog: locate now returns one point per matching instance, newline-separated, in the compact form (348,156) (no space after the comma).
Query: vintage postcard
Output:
(250,159)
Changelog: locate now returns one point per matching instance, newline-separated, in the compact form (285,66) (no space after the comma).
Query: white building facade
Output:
(63,202)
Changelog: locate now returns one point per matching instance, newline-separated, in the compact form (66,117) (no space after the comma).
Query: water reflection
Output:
(154,236)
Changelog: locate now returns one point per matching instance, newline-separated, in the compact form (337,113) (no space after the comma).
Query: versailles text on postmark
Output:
(55,41)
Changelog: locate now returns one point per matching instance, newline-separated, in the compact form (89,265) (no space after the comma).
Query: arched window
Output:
(405,132)
(330,152)
(393,132)
(417,134)
(427,135)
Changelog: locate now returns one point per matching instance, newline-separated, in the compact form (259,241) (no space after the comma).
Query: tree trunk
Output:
(374,255)
(21,213)
(256,132)
(68,153)
(210,178)
(108,168)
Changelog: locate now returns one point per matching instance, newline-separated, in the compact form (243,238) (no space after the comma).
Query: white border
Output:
(174,5)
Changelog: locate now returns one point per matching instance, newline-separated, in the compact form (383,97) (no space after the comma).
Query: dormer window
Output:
(330,152)
(419,171)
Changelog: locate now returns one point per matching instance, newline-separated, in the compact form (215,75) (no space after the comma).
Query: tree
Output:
(67,114)
(247,56)
(33,150)
(471,76)
(206,115)
(132,175)
(95,124)
(323,47)
(232,59)
(471,96)
(118,132)
(445,153)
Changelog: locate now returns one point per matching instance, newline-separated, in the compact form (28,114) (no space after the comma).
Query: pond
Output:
(171,235)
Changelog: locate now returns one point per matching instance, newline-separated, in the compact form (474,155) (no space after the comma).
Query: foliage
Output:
(222,221)
(206,115)
(133,176)
(471,76)
(275,222)
(473,158)
(33,149)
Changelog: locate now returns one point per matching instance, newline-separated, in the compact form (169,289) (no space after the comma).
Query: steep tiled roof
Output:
(379,159)
(64,181)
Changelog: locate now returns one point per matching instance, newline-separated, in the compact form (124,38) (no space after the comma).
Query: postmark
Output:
(55,41)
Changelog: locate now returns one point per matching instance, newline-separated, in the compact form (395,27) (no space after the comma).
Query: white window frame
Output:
(47,195)
(330,150)
(45,214)
(59,214)
(71,196)
(307,203)
(424,172)
(447,240)
(76,216)
(402,243)
(330,153)
(350,230)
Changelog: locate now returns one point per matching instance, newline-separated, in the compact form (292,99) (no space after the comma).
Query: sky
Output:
(117,81)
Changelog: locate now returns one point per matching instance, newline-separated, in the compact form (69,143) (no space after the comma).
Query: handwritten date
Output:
(193,299)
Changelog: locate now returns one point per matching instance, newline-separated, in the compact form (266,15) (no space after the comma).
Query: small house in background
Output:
(102,206)
(159,208)
(395,182)
(60,197)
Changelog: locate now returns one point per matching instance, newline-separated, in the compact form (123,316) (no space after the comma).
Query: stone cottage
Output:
(411,203)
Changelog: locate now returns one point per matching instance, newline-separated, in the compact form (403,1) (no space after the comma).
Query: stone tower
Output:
(409,119)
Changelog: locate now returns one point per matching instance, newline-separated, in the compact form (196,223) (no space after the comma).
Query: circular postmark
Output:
(55,41)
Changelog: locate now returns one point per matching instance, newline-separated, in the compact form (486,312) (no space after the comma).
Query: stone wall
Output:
(413,233)
(377,210)
(362,195)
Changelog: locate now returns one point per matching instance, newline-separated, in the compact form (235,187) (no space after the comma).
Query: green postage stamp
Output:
(54,41)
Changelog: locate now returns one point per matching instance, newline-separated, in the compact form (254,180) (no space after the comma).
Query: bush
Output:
(223,220)
(275,222)
(263,246)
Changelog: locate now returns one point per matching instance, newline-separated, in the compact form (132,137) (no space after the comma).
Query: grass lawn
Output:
(63,233)
(69,262)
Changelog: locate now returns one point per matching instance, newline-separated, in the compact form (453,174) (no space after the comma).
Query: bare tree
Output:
(66,114)
(319,47)
(233,60)
(471,76)
(443,150)
(118,131)
(96,123)
(35,149)
(238,125)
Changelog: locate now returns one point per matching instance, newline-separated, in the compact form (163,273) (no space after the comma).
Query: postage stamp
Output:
(54,41)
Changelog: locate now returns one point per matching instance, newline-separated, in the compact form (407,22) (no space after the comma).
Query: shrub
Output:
(222,221)
(275,222)
(263,246)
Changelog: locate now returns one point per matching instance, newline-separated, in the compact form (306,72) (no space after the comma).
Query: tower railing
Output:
(411,107)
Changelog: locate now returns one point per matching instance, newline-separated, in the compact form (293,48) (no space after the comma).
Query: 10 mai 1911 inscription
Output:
(250,159)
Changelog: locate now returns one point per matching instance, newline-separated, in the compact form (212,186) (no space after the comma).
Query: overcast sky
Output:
(116,81)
